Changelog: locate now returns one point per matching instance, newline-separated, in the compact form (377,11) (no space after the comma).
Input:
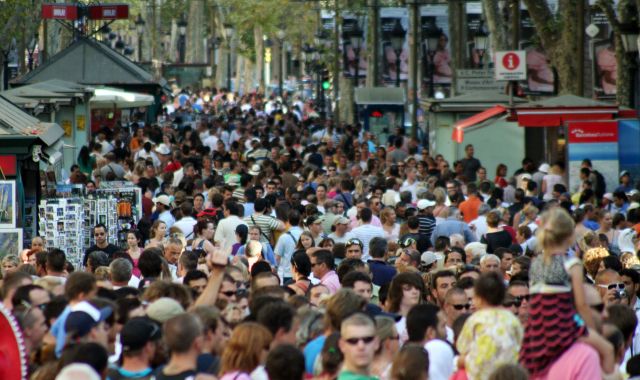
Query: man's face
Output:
(507,260)
(100,334)
(354,252)
(521,295)
(363,288)
(630,287)
(91,187)
(375,205)
(271,188)
(38,330)
(451,189)
(609,285)
(453,258)
(316,228)
(441,330)
(254,234)
(316,295)
(100,235)
(359,345)
(455,306)
(490,265)
(469,150)
(172,253)
(318,269)
(482,174)
(228,291)
(443,284)
(198,285)
(321,192)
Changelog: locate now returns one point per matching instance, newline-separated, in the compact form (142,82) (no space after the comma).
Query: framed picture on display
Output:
(11,241)
(8,204)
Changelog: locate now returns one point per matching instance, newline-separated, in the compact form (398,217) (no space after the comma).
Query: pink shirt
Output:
(331,281)
(579,362)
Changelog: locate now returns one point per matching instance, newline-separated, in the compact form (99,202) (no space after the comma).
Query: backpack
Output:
(601,185)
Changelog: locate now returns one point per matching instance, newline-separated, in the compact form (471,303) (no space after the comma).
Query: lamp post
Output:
(432,39)
(481,43)
(140,30)
(307,56)
(629,33)
(228,30)
(182,28)
(320,40)
(355,39)
(280,34)
(397,41)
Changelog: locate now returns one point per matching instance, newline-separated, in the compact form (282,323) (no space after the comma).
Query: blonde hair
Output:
(245,347)
(629,260)
(385,214)
(556,228)
(440,195)
(592,259)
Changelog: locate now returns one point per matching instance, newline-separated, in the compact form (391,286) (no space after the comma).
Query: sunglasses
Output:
(354,241)
(466,306)
(364,339)
(230,293)
(620,286)
(99,234)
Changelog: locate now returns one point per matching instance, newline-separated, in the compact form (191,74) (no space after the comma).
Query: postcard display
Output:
(67,223)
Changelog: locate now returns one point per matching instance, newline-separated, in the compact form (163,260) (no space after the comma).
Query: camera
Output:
(621,294)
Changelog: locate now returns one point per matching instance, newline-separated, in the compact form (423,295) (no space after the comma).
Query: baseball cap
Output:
(624,173)
(608,196)
(85,317)
(353,241)
(544,168)
(525,176)
(314,219)
(137,332)
(255,170)
(428,258)
(341,220)
(164,309)
(424,203)
(164,199)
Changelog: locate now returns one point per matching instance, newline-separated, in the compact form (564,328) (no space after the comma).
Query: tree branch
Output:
(607,8)
(545,22)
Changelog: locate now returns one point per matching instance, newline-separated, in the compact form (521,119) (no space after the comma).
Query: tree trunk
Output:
(346,99)
(498,28)
(259,60)
(195,32)
(373,44)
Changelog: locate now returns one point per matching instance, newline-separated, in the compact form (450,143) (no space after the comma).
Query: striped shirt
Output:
(427,225)
(266,223)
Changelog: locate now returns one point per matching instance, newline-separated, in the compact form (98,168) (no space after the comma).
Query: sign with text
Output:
(108,12)
(60,11)
(511,65)
(477,80)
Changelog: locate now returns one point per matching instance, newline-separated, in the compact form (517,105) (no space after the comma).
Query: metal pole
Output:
(336,64)
(229,69)
(139,47)
(415,23)
(280,79)
(182,48)
(398,68)
(355,85)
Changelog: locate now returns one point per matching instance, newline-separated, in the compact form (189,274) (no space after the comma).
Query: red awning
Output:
(556,117)
(458,129)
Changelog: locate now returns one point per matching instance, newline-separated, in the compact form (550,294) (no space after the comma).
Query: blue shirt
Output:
(452,226)
(58,331)
(381,272)
(311,352)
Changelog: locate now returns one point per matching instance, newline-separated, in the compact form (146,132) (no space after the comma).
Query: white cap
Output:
(544,167)
(163,149)
(424,203)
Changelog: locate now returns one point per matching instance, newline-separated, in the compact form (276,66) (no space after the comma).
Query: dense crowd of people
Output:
(278,246)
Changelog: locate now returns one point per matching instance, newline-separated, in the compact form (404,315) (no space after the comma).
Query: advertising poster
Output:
(437,65)
(350,61)
(597,141)
(389,18)
(603,56)
(629,147)
(474,23)
(540,74)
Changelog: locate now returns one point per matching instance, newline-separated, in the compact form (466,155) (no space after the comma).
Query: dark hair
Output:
(193,275)
(22,294)
(324,256)
(79,283)
(612,262)
(285,362)
(624,318)
(300,260)
(275,316)
(395,289)
(349,280)
(419,319)
(150,263)
(201,225)
(378,247)
(56,260)
(366,214)
(347,266)
(632,274)
(91,353)
(490,288)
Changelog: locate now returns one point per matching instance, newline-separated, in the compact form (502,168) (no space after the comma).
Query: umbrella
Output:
(115,98)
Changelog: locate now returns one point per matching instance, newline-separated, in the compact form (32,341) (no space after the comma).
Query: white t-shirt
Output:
(440,359)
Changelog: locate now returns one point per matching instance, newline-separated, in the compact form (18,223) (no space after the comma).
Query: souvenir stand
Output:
(66,221)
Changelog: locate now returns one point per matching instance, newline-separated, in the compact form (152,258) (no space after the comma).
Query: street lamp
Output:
(481,42)
(182,28)
(397,41)
(432,39)
(320,40)
(228,30)
(140,30)
(280,34)
(629,35)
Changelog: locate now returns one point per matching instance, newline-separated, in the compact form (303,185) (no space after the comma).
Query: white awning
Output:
(107,97)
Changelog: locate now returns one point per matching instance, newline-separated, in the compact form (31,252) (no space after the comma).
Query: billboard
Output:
(436,65)
(597,141)
(389,17)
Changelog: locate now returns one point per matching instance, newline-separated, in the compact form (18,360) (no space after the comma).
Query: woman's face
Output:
(198,202)
(502,172)
(306,241)
(391,217)
(9,267)
(410,295)
(132,241)
(161,231)
(328,245)
(166,140)
(208,232)
(607,220)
